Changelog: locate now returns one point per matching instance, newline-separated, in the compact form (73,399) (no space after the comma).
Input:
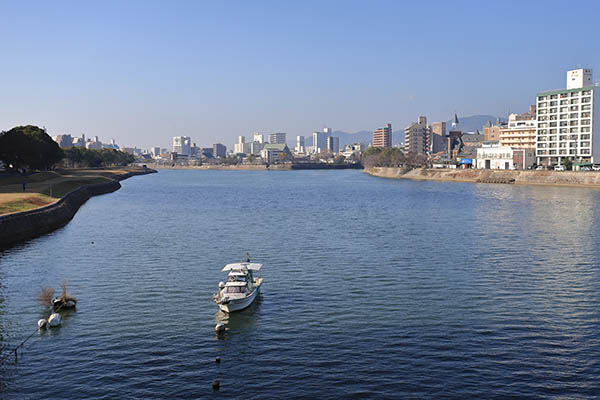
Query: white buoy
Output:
(220,327)
(54,320)
(42,323)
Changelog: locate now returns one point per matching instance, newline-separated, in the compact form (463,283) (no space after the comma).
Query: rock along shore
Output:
(556,178)
(17,227)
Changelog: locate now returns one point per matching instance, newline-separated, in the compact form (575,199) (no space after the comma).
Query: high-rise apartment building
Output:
(382,137)
(417,137)
(219,150)
(567,121)
(182,145)
(519,131)
(277,138)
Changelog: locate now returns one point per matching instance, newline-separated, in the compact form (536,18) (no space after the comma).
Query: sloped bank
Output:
(555,178)
(25,225)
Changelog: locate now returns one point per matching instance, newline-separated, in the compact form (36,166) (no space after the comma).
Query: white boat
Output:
(241,288)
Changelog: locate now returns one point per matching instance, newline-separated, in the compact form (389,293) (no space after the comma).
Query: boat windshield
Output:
(236,278)
(235,289)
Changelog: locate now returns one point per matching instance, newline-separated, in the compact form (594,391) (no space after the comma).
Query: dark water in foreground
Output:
(373,288)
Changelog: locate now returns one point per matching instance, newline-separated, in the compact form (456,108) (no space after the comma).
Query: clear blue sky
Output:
(144,71)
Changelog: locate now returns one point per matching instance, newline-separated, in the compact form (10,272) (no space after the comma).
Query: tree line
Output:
(392,157)
(30,147)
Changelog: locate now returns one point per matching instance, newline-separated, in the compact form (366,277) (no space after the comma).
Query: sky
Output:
(142,72)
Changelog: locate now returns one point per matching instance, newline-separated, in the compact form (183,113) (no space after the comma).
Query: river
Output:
(373,288)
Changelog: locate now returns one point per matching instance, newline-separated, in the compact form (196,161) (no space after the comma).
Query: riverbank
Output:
(52,198)
(262,167)
(554,178)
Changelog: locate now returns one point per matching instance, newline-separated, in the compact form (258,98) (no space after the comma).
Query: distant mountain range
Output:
(466,124)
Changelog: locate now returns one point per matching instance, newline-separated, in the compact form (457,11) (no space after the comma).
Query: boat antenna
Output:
(247,257)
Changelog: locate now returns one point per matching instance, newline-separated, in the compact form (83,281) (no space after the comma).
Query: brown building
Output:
(382,137)
(438,137)
(492,132)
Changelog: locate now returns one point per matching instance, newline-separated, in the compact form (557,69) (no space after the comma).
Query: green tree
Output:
(568,163)
(29,147)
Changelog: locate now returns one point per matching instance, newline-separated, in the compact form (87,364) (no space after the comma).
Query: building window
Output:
(586,107)
(562,116)
(542,152)
(585,137)
(563,130)
(574,108)
(585,144)
(573,123)
(573,115)
(563,95)
(585,151)
(573,151)
(553,124)
(554,96)
(561,151)
(544,104)
(542,98)
(564,102)
(574,101)
(564,123)
(574,94)
(586,92)
(585,129)
(563,137)
(573,130)
(554,103)
(586,100)
(585,122)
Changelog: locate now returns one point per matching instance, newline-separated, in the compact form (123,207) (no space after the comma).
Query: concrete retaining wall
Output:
(555,178)
(25,225)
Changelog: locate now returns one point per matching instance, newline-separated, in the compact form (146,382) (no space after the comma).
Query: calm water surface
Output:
(373,288)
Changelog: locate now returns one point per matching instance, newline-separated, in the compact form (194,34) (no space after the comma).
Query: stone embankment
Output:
(556,178)
(25,225)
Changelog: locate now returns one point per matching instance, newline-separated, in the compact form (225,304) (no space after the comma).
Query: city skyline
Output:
(142,73)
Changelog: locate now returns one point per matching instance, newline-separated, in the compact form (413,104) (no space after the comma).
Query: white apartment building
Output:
(566,126)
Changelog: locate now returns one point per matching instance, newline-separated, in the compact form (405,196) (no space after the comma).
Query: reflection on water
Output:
(239,321)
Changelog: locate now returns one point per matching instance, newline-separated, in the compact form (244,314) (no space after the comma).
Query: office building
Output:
(382,137)
(258,138)
(567,123)
(300,148)
(417,137)
(182,145)
(333,144)
(277,138)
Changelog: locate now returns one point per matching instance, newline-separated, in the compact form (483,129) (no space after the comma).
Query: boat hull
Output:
(239,304)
